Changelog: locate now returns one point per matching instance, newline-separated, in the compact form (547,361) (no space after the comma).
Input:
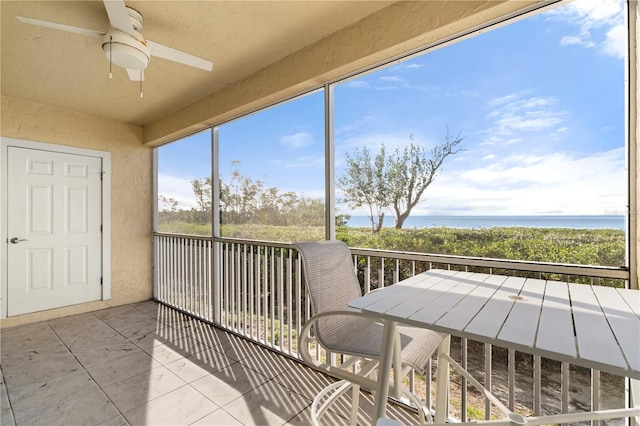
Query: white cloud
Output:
(592,17)
(177,188)
(534,102)
(297,140)
(391,78)
(517,112)
(510,122)
(304,162)
(569,40)
(357,84)
(559,183)
(616,41)
(503,99)
(489,157)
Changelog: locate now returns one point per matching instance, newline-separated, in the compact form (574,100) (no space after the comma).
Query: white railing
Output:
(261,296)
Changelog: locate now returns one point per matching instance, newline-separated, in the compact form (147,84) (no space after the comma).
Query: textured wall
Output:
(131,192)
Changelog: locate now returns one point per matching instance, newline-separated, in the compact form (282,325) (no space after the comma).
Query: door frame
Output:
(5,143)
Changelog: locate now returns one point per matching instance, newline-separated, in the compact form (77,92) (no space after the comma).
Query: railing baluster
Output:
(463,362)
(595,394)
(265,293)
(262,296)
(564,387)
(511,379)
(367,275)
(537,385)
(252,291)
(299,297)
(272,295)
(289,303)
(487,379)
(245,292)
(281,300)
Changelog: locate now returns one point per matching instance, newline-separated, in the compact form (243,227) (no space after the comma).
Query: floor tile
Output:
(182,406)
(82,336)
(130,317)
(37,366)
(147,335)
(328,419)
(137,390)
(6,418)
(268,404)
(122,368)
(173,351)
(199,365)
(105,352)
(235,347)
(72,399)
(150,307)
(22,331)
(267,362)
(218,418)
(114,312)
(229,383)
(115,421)
(136,368)
(303,380)
(79,320)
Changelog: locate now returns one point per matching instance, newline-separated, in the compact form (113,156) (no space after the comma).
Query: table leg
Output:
(442,383)
(384,370)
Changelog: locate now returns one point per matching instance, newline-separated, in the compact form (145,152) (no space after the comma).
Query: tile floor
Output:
(146,364)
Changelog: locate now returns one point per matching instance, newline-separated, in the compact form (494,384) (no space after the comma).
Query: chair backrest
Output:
(329,274)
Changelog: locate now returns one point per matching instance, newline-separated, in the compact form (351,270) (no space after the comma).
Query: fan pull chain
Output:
(110,41)
(141,76)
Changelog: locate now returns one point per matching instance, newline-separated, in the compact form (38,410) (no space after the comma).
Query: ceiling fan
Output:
(123,44)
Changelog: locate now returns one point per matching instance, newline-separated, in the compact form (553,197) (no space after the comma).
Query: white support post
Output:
(442,382)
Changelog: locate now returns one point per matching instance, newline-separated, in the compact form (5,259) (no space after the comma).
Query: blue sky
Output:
(540,104)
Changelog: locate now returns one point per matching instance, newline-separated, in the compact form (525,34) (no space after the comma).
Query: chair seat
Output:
(365,339)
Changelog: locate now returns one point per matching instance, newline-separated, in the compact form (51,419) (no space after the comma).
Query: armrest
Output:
(303,339)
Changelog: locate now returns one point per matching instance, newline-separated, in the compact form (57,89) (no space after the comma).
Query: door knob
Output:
(16,240)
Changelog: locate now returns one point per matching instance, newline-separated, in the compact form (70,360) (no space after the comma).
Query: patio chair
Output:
(331,282)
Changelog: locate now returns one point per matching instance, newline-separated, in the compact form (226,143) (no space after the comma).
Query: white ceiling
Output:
(241,37)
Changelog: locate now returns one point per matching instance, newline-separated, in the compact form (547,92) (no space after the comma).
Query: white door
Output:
(54,230)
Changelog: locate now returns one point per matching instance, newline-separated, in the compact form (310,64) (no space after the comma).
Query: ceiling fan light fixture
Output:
(125,51)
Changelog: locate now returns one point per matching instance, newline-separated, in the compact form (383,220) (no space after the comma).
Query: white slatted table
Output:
(590,326)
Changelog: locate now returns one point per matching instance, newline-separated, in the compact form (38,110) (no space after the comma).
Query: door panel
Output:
(54,211)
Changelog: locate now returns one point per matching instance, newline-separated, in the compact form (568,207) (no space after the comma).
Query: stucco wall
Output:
(131,193)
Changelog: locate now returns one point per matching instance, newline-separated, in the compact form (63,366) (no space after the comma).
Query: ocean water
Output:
(475,222)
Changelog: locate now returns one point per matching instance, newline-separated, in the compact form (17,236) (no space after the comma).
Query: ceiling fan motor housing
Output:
(125,50)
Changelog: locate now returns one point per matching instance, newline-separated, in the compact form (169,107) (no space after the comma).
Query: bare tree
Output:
(364,184)
(397,181)
(413,170)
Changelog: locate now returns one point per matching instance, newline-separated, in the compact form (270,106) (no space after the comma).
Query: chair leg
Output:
(338,388)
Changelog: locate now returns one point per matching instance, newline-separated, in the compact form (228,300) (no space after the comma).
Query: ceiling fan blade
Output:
(62,27)
(135,75)
(178,56)
(119,16)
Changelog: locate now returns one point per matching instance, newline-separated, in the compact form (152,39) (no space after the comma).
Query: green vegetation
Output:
(603,247)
